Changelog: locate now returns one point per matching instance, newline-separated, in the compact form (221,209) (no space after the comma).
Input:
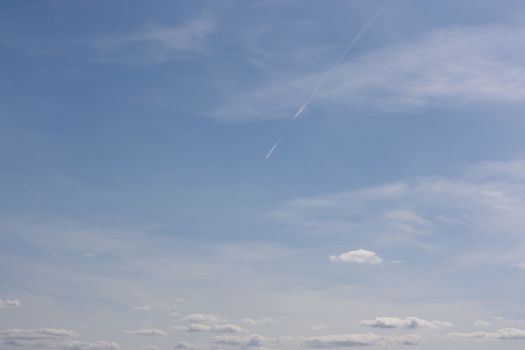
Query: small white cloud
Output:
(185,346)
(502,334)
(205,318)
(481,323)
(360,256)
(97,345)
(368,339)
(9,303)
(252,340)
(260,321)
(318,327)
(147,332)
(218,328)
(142,307)
(51,338)
(408,323)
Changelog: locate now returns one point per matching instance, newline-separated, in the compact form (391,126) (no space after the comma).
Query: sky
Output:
(139,208)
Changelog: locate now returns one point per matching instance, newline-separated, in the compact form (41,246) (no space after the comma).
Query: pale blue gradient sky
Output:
(135,190)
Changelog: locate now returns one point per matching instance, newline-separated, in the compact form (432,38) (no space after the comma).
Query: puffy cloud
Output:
(204,318)
(148,332)
(9,303)
(243,341)
(502,334)
(368,339)
(51,338)
(409,323)
(360,256)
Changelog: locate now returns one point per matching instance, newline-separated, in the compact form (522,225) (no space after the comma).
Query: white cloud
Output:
(465,205)
(147,332)
(9,303)
(157,44)
(243,341)
(186,37)
(318,327)
(260,321)
(205,318)
(219,328)
(51,338)
(185,345)
(456,65)
(481,323)
(407,222)
(502,334)
(408,323)
(97,345)
(368,339)
(360,256)
(142,308)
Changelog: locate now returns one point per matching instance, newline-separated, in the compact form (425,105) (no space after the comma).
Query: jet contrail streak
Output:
(352,43)
(268,155)
(301,109)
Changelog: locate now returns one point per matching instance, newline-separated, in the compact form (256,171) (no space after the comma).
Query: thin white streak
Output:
(268,155)
(354,41)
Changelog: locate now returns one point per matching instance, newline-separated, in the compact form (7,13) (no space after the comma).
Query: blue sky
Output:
(138,210)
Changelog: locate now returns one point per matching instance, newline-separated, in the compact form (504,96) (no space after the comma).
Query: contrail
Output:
(268,155)
(352,43)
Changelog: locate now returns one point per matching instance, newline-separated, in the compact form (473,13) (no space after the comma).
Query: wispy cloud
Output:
(253,340)
(9,303)
(185,345)
(205,318)
(157,44)
(142,308)
(481,323)
(368,339)
(465,205)
(147,332)
(217,328)
(502,334)
(456,66)
(259,321)
(52,338)
(408,323)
